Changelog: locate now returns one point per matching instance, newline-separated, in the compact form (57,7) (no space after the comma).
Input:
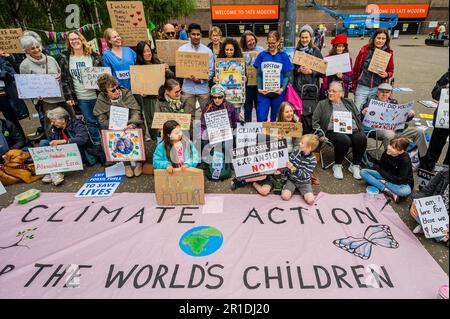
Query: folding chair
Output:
(327,144)
(373,133)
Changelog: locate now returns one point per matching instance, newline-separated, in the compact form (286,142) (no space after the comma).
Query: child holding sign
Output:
(175,151)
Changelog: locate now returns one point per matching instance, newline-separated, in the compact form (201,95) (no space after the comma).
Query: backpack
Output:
(413,152)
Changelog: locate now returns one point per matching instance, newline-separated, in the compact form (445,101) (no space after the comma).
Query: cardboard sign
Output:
(342,122)
(271,76)
(98,185)
(159,118)
(118,117)
(283,129)
(339,63)
(261,159)
(123,146)
(230,73)
(128,18)
(30,86)
(180,188)
(424,177)
(433,216)
(442,116)
(56,159)
(252,78)
(147,79)
(167,50)
(94,45)
(218,126)
(247,134)
(192,64)
(250,58)
(387,116)
(310,61)
(90,76)
(380,61)
(9,40)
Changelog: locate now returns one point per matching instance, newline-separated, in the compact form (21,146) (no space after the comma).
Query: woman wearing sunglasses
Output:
(113,94)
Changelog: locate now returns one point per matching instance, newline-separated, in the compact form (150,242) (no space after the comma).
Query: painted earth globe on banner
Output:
(201,241)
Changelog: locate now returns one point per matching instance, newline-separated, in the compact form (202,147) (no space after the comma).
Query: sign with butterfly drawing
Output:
(123,145)
(387,116)
(128,18)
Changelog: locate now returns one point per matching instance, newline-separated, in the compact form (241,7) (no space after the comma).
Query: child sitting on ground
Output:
(393,174)
(301,165)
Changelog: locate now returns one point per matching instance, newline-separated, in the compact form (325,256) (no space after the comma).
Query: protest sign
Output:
(123,146)
(230,73)
(339,63)
(261,159)
(9,40)
(159,118)
(94,45)
(147,79)
(271,76)
(433,216)
(30,86)
(167,50)
(424,177)
(218,126)
(2,189)
(192,64)
(310,61)
(117,169)
(442,116)
(250,58)
(380,61)
(118,117)
(90,75)
(180,188)
(56,159)
(387,116)
(290,51)
(128,18)
(98,185)
(342,122)
(429,104)
(283,129)
(247,134)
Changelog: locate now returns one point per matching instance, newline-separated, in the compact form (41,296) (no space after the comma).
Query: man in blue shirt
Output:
(183,33)
(195,89)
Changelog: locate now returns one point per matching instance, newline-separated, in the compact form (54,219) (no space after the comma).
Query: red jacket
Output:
(358,67)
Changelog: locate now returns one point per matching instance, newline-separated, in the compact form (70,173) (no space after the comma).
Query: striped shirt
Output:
(304,165)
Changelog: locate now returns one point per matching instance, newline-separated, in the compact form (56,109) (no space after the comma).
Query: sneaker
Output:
(138,170)
(129,171)
(47,179)
(418,229)
(356,170)
(391,195)
(37,135)
(57,178)
(443,292)
(236,183)
(337,171)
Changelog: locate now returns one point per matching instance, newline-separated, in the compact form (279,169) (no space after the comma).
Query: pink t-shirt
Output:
(180,153)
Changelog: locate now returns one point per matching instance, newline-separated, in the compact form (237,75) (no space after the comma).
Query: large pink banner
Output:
(236,246)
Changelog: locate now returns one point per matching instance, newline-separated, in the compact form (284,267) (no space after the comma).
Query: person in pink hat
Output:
(339,46)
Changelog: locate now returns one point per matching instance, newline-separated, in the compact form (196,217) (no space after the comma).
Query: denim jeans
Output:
(43,143)
(374,178)
(87,107)
(361,95)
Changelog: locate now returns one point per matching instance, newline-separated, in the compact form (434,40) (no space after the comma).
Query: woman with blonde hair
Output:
(79,55)
(215,34)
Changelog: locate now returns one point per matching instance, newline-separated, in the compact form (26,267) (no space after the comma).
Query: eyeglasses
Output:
(178,92)
(170,33)
(114,89)
(217,97)
(74,39)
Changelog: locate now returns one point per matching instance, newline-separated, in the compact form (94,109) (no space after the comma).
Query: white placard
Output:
(387,116)
(342,122)
(442,117)
(99,185)
(2,84)
(271,76)
(56,159)
(31,86)
(218,126)
(429,104)
(433,216)
(118,117)
(433,24)
(2,189)
(339,63)
(115,170)
(247,134)
(90,75)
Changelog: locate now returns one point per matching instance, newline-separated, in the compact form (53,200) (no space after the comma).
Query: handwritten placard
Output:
(30,86)
(9,40)
(310,61)
(90,76)
(380,61)
(118,117)
(250,58)
(192,64)
(218,126)
(342,122)
(159,118)
(339,63)
(442,116)
(247,134)
(167,50)
(283,129)
(56,159)
(271,76)
(147,79)
(387,116)
(230,73)
(180,188)
(433,216)
(128,18)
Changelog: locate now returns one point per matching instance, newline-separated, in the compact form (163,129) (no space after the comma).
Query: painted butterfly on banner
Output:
(378,235)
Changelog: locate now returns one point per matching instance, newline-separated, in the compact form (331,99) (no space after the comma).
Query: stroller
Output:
(310,95)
